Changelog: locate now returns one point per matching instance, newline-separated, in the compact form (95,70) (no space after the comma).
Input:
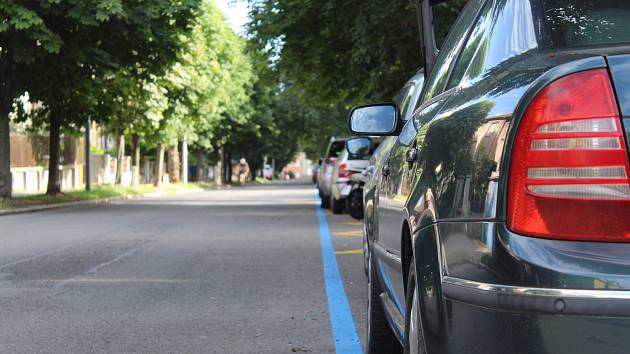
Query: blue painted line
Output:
(344,330)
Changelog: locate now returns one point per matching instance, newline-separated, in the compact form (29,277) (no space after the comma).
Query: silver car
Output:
(326,166)
(348,164)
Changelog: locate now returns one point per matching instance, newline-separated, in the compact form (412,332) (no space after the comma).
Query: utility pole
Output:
(185,161)
(88,186)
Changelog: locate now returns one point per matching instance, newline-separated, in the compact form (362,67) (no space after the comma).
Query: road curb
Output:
(38,208)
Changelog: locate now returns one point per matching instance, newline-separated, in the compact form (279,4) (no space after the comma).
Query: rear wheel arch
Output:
(406,252)
(369,217)
(427,257)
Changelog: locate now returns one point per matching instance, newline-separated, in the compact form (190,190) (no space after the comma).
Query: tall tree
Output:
(209,86)
(344,51)
(85,40)
(23,36)
(326,60)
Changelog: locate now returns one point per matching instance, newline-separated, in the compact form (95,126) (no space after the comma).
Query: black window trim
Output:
(439,97)
(461,48)
(458,50)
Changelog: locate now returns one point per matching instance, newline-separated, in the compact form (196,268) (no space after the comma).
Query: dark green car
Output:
(501,217)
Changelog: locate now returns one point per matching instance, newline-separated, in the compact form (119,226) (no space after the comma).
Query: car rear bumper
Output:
(341,188)
(503,292)
(490,321)
(610,303)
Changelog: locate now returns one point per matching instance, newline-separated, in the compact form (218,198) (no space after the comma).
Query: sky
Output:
(237,13)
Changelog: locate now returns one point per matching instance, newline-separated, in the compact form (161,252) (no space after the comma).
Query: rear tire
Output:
(414,334)
(325,202)
(354,204)
(337,205)
(380,338)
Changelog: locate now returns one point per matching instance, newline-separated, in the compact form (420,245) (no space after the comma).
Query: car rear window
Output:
(363,155)
(336,148)
(577,23)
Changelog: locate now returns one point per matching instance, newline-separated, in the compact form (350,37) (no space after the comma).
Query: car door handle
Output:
(386,170)
(412,155)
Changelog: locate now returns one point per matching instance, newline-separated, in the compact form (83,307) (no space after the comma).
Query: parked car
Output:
(406,100)
(354,200)
(324,174)
(348,164)
(500,222)
(314,173)
(268,172)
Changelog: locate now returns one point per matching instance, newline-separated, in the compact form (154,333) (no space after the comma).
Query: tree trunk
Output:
(135,142)
(228,168)
(173,164)
(231,169)
(6,183)
(7,95)
(54,184)
(121,156)
(159,166)
(201,168)
(219,170)
(185,161)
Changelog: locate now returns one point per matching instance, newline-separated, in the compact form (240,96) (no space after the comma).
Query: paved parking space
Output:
(347,238)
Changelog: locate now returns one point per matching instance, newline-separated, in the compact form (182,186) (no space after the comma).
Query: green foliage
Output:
(208,87)
(63,52)
(168,70)
(330,55)
(349,51)
(280,123)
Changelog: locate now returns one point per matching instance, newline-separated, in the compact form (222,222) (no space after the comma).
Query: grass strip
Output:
(97,192)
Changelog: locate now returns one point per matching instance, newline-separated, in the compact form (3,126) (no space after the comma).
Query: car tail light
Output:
(343,170)
(569,169)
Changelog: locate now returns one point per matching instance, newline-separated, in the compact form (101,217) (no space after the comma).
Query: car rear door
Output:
(396,186)
(382,188)
(328,165)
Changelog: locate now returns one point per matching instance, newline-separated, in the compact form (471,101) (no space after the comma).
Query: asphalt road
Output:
(237,270)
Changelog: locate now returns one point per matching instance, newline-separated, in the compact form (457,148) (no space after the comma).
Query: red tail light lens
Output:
(569,169)
(343,170)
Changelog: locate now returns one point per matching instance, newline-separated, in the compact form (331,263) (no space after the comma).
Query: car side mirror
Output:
(359,146)
(381,119)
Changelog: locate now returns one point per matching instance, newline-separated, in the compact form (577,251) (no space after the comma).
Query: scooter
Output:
(354,201)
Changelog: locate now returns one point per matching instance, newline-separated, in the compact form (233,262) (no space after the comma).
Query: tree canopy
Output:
(163,72)
(348,51)
(59,50)
(339,53)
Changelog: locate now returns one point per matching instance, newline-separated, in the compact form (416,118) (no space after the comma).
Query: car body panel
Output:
(483,250)
(325,172)
(377,195)
(395,192)
(475,329)
(488,252)
(619,69)
(453,200)
(340,186)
